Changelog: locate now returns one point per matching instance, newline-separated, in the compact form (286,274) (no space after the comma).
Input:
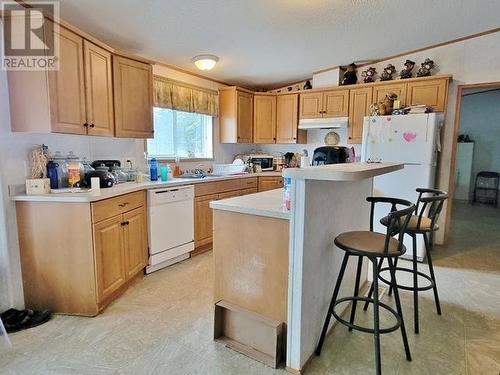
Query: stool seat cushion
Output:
(425,224)
(368,243)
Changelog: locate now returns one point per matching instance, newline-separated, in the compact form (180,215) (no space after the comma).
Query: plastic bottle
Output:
(169,172)
(164,173)
(52,174)
(153,170)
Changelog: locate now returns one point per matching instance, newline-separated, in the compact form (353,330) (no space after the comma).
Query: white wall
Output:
(480,119)
(474,60)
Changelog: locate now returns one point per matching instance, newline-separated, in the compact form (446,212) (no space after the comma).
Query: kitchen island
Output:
(326,201)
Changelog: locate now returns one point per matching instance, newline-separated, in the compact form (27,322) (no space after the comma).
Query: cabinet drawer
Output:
(114,206)
(205,188)
(247,183)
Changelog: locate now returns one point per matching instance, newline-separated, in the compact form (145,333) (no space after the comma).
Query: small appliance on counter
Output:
(331,155)
(265,161)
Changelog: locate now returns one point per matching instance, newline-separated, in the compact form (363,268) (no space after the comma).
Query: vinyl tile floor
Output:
(163,324)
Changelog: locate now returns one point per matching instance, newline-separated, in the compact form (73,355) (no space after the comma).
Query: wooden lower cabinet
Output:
(203,214)
(135,243)
(270,183)
(74,259)
(203,226)
(109,256)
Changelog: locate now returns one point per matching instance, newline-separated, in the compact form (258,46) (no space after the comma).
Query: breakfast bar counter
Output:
(325,201)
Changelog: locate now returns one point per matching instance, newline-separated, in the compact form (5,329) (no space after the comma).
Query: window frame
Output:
(182,159)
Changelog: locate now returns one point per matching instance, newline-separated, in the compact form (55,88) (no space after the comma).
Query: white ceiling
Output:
(269,43)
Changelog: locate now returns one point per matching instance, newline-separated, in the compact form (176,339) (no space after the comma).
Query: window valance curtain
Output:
(184,97)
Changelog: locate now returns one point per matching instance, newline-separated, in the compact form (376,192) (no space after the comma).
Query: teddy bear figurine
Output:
(385,106)
(389,70)
(350,77)
(425,68)
(406,72)
(369,75)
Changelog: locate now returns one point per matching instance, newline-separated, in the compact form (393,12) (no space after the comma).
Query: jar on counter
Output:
(75,169)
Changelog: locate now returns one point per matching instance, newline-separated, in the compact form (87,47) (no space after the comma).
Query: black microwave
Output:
(265,161)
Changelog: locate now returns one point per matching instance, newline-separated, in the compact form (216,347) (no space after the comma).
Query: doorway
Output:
(475,212)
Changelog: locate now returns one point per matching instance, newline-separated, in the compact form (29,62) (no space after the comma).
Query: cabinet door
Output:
(244,117)
(133,98)
(380,91)
(67,87)
(109,256)
(135,242)
(203,226)
(311,105)
(287,121)
(99,90)
(336,103)
(359,107)
(264,119)
(270,183)
(431,92)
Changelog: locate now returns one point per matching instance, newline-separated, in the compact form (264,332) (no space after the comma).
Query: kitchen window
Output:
(181,134)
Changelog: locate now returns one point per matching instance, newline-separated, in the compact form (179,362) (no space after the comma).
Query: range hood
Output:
(324,123)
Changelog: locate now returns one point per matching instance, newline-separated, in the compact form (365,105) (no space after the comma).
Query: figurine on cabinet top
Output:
(350,77)
(369,75)
(389,70)
(425,68)
(406,72)
(307,85)
(385,106)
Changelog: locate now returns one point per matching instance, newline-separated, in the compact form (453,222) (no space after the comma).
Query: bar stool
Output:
(374,246)
(430,202)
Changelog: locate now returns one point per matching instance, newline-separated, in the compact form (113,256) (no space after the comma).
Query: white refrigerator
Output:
(412,140)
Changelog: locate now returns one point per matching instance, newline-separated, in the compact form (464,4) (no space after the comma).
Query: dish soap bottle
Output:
(153,170)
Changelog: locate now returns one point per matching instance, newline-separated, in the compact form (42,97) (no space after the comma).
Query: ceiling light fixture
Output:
(205,62)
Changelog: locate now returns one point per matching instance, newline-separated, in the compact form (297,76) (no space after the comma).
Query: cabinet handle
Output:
(86,125)
(125,223)
(121,205)
(91,125)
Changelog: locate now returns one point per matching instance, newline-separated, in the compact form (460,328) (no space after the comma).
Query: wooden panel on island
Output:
(252,250)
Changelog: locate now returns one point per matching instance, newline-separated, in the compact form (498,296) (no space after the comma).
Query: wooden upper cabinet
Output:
(264,119)
(99,90)
(135,241)
(67,86)
(287,119)
(431,92)
(331,103)
(133,98)
(235,115)
(311,105)
(336,103)
(360,101)
(244,104)
(109,256)
(399,88)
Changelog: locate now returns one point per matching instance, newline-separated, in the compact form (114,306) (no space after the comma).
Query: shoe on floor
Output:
(16,320)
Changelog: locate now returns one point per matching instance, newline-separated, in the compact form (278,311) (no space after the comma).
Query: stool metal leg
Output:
(395,265)
(392,268)
(332,303)
(356,290)
(431,270)
(376,322)
(370,293)
(415,284)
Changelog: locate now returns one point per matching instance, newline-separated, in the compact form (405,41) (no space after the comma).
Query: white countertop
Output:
(128,187)
(342,172)
(267,203)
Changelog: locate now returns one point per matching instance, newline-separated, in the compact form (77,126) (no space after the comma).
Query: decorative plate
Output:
(332,139)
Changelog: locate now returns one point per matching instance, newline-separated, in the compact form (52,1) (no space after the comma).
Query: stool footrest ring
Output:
(365,329)
(406,287)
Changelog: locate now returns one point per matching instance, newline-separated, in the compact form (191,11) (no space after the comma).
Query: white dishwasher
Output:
(171,226)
